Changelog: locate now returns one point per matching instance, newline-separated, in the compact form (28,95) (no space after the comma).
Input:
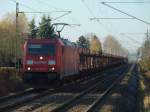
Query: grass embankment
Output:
(10,81)
(144,92)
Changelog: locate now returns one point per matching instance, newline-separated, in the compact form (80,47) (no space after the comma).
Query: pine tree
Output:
(32,29)
(46,30)
(82,41)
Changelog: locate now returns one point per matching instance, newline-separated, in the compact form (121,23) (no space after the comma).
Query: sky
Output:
(129,32)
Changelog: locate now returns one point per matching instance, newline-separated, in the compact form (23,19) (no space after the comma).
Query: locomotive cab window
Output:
(44,49)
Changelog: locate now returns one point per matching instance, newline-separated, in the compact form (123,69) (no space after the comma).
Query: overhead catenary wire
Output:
(65,13)
(35,11)
(128,36)
(148,23)
(47,4)
(131,39)
(57,9)
(62,15)
(93,15)
(44,11)
(83,28)
(135,43)
(90,11)
(131,45)
(24,5)
(126,2)
(109,18)
(110,24)
(134,33)
(128,42)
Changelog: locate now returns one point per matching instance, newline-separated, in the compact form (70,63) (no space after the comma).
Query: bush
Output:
(10,80)
(145,64)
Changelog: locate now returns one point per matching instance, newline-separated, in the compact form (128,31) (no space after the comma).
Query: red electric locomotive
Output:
(55,59)
(50,59)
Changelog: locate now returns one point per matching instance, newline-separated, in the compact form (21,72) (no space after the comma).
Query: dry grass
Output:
(10,80)
(147,75)
(144,92)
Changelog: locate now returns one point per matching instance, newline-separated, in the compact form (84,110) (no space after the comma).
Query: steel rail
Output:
(66,104)
(101,97)
(14,95)
(7,107)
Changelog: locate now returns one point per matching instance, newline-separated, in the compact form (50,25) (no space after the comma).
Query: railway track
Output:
(14,95)
(18,99)
(54,96)
(14,104)
(12,101)
(56,100)
(93,95)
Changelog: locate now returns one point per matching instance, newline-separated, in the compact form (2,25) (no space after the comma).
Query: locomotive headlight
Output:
(41,57)
(53,68)
(29,62)
(28,68)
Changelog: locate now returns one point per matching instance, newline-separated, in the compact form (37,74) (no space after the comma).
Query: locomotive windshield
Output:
(41,49)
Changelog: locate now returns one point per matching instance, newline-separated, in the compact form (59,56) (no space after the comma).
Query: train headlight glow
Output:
(28,68)
(53,68)
(29,62)
(41,57)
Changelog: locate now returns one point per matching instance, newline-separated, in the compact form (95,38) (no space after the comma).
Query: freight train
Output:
(58,59)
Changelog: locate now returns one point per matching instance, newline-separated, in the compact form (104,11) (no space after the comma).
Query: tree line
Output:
(110,45)
(144,54)
(11,44)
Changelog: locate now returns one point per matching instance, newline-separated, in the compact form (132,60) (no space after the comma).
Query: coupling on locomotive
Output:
(57,59)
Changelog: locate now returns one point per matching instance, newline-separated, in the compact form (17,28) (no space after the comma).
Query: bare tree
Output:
(95,44)
(112,46)
(144,52)
(8,37)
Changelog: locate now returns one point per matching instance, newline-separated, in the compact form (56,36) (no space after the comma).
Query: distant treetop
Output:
(46,29)
(83,42)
